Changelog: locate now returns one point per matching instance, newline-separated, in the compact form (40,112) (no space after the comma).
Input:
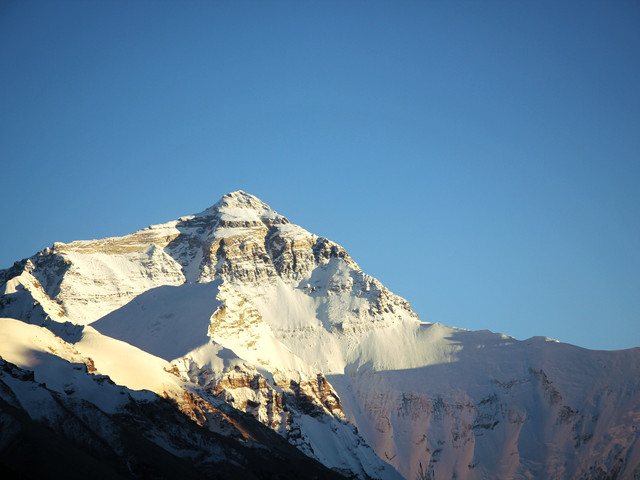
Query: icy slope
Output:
(60,419)
(502,409)
(238,305)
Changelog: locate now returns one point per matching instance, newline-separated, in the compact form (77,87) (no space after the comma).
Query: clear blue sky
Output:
(481,159)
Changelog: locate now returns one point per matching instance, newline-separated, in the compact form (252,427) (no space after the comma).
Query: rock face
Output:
(236,313)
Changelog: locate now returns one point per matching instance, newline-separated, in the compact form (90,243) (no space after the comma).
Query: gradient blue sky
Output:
(481,159)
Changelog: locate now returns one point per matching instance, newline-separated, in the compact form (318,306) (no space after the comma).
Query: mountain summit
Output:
(235,204)
(250,326)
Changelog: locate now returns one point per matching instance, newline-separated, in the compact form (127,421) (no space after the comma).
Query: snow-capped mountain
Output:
(244,326)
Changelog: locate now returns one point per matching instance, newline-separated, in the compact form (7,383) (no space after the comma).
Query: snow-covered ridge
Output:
(235,305)
(62,418)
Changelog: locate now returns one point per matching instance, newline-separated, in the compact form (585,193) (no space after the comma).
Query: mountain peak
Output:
(241,199)
(239,203)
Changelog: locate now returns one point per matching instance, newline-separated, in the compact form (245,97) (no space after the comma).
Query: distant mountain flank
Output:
(235,344)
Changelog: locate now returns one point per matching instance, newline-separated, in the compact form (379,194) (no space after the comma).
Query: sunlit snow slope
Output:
(239,307)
